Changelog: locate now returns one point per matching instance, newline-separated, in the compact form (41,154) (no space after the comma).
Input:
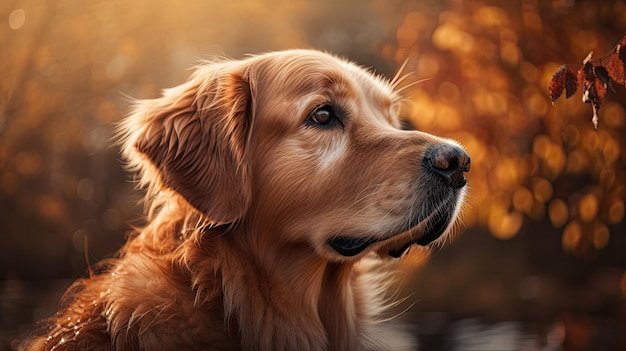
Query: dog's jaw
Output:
(422,230)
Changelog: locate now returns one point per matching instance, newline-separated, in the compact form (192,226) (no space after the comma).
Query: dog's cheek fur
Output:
(193,140)
(365,179)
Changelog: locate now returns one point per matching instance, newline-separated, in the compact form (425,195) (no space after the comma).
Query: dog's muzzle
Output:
(449,164)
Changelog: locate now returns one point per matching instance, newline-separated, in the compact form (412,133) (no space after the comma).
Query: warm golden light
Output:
(558,213)
(616,211)
(17,18)
(588,208)
(600,236)
(504,225)
(542,189)
(523,200)
(571,236)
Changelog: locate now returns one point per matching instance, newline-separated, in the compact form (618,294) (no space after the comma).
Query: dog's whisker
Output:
(399,80)
(410,85)
(399,72)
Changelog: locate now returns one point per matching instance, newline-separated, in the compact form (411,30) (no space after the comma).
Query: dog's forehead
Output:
(295,82)
(308,70)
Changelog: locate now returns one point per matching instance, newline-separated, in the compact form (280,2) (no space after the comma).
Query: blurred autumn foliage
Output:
(542,178)
(489,68)
(594,77)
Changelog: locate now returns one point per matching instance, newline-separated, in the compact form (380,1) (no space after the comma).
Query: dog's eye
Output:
(324,117)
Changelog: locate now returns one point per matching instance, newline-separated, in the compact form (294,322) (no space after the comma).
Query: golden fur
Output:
(269,180)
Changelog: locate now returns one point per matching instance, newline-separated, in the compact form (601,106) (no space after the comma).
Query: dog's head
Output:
(303,145)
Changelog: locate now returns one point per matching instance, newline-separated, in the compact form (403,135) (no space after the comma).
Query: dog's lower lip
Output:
(437,225)
(349,246)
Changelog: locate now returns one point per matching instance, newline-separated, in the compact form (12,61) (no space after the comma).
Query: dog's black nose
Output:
(449,162)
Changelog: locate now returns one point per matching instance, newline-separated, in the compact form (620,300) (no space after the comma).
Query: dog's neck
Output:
(273,297)
(289,298)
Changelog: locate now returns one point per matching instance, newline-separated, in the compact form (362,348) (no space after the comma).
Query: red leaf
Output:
(601,73)
(615,67)
(621,53)
(557,83)
(570,82)
(600,91)
(580,77)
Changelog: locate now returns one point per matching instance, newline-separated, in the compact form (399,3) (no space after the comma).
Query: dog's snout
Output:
(450,162)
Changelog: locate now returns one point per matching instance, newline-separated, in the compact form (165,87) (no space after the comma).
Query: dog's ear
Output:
(193,140)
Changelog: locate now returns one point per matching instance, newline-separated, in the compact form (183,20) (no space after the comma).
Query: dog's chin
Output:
(423,230)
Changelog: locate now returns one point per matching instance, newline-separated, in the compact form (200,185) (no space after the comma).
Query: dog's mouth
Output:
(422,232)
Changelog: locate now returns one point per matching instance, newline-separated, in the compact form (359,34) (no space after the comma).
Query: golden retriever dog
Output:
(269,180)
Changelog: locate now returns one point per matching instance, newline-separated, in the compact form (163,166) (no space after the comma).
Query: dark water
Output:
(22,303)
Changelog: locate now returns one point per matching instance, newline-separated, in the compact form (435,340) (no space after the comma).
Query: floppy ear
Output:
(193,140)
